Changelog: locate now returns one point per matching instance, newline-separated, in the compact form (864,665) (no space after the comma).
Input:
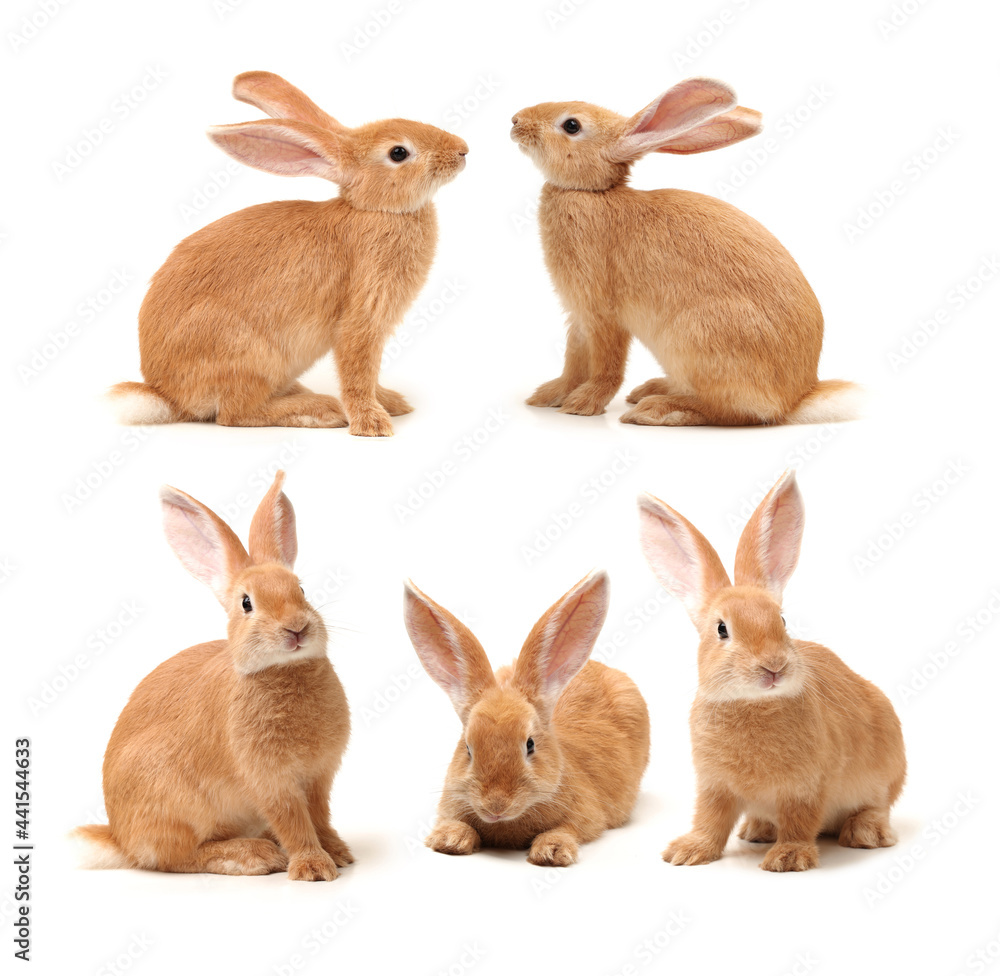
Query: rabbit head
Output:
(270,620)
(745,651)
(512,759)
(579,146)
(394,165)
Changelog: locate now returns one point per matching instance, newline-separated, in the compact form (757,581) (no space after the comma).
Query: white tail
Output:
(96,848)
(137,403)
(829,402)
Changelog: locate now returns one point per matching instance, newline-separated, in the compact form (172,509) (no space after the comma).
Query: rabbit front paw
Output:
(692,849)
(554,849)
(794,856)
(758,831)
(371,421)
(312,866)
(394,403)
(589,399)
(453,837)
(552,394)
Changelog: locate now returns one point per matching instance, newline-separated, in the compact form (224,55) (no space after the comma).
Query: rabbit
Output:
(223,758)
(553,748)
(244,306)
(782,731)
(714,296)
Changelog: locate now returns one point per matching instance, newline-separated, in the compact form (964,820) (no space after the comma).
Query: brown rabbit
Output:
(223,758)
(246,305)
(717,300)
(553,748)
(783,732)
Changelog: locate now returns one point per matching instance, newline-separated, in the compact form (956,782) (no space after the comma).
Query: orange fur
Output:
(244,306)
(782,730)
(223,758)
(588,725)
(711,293)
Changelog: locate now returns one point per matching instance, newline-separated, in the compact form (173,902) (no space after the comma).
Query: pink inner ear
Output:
(272,149)
(572,632)
(724,130)
(783,538)
(687,104)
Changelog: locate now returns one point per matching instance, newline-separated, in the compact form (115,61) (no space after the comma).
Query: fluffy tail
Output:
(139,403)
(98,848)
(828,402)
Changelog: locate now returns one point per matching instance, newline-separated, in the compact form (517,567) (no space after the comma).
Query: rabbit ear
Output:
(448,650)
(723,130)
(272,531)
(207,547)
(769,546)
(674,113)
(284,147)
(560,643)
(280,99)
(681,558)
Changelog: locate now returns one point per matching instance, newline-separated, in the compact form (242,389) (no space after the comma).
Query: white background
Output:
(865,100)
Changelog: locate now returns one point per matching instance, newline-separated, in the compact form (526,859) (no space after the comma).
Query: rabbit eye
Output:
(468,750)
(529,747)
(572,126)
(723,631)
(783,621)
(398,153)
(247,605)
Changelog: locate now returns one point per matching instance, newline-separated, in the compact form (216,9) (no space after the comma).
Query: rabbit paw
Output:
(394,403)
(551,394)
(553,850)
(659,385)
(312,866)
(868,829)
(691,849)
(791,857)
(758,831)
(588,399)
(338,851)
(453,837)
(371,422)
(663,411)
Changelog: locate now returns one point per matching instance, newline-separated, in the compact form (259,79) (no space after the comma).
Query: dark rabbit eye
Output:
(398,153)
(247,605)
(723,632)
(572,126)
(468,750)
(530,747)
(783,621)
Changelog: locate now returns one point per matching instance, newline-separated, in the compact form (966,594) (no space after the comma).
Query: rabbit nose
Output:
(514,120)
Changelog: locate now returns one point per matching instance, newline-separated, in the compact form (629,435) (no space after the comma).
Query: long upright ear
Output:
(272,531)
(681,558)
(560,643)
(280,99)
(284,147)
(723,130)
(447,649)
(769,546)
(684,107)
(207,547)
